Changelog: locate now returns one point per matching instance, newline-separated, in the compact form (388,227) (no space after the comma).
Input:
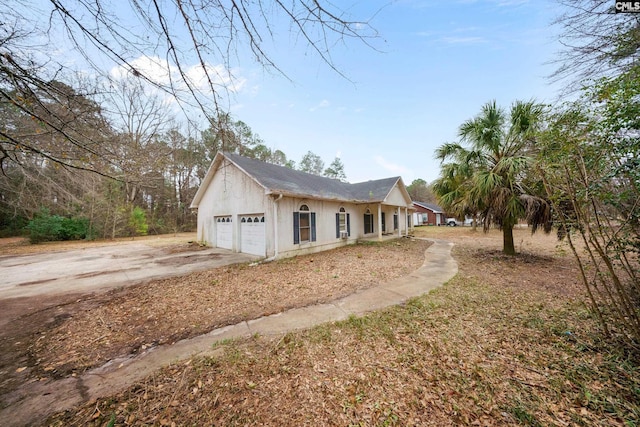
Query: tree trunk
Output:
(507,240)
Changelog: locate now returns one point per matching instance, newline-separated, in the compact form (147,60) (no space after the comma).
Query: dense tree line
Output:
(138,159)
(144,169)
(89,135)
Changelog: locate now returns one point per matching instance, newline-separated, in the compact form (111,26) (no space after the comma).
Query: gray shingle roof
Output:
(280,179)
(429,206)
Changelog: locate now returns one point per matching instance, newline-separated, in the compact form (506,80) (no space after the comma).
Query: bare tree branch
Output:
(596,42)
(200,41)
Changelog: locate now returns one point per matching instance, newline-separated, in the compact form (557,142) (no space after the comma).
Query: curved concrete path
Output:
(35,401)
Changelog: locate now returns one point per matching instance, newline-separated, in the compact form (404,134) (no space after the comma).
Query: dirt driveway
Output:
(104,267)
(32,282)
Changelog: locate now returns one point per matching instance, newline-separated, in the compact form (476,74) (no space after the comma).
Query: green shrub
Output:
(45,227)
(12,225)
(74,229)
(138,222)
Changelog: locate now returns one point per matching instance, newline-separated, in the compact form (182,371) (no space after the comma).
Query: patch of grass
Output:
(322,334)
(222,342)
(523,417)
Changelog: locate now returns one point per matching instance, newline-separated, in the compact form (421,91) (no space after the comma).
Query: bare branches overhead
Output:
(187,50)
(190,38)
(596,41)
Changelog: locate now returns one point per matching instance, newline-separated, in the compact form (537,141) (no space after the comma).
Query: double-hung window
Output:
(304,225)
(343,224)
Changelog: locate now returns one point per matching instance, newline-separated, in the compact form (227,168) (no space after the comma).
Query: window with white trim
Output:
(304,225)
(343,223)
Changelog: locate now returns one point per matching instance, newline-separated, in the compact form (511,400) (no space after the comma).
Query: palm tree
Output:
(486,171)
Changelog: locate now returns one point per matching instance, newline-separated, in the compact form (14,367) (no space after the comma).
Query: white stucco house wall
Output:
(254,207)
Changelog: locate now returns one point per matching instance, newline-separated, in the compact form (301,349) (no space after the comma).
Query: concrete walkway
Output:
(36,401)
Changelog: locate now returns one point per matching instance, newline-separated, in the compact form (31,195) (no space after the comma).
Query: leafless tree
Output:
(139,120)
(596,42)
(186,49)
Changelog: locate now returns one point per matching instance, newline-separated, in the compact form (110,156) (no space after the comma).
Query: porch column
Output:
(379,221)
(399,227)
(406,221)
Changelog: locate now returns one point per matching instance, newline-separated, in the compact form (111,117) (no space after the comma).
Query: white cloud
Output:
(392,167)
(213,75)
(202,79)
(154,68)
(323,104)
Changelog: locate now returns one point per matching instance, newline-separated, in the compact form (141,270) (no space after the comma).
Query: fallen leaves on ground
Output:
(136,318)
(508,341)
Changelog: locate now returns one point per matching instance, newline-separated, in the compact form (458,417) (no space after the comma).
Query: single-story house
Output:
(259,208)
(428,214)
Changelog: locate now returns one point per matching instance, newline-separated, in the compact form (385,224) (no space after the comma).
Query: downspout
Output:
(275,228)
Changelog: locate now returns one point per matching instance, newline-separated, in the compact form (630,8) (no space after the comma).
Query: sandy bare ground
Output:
(98,268)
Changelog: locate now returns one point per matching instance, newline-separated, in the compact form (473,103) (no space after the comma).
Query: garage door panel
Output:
(252,235)
(224,232)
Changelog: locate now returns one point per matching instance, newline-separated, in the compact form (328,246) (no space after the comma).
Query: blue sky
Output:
(434,65)
(439,62)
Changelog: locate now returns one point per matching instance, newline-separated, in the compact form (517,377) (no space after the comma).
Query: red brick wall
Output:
(431,217)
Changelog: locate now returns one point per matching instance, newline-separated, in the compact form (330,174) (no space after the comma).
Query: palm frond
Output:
(511,166)
(450,150)
(538,212)
(485,183)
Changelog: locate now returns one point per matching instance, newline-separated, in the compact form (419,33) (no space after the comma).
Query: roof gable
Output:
(291,182)
(280,179)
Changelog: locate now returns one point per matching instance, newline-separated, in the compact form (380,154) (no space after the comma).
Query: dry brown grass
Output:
(508,341)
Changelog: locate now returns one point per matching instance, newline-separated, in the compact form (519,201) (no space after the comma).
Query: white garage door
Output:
(252,235)
(224,232)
